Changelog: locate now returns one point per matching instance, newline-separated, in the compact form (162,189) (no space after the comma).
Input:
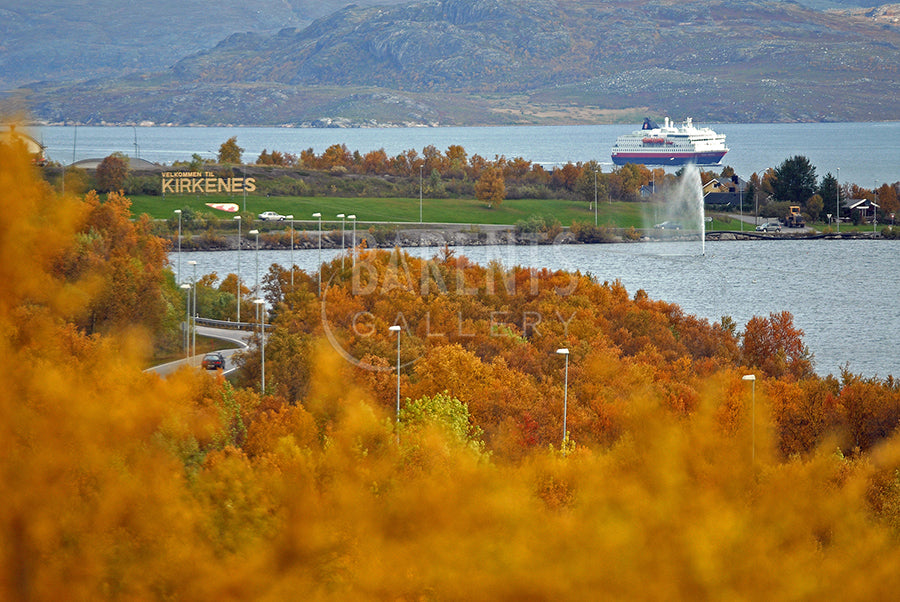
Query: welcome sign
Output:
(207,182)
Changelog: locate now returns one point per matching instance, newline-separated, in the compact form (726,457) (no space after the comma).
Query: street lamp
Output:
(420,193)
(875,208)
(341,215)
(256,288)
(178,212)
(291,217)
(260,308)
(838,204)
(565,352)
(319,216)
(353,219)
(187,321)
(752,379)
(237,218)
(396,328)
(595,197)
(194,310)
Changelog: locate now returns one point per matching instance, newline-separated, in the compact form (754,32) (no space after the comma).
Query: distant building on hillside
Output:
(134,164)
(11,135)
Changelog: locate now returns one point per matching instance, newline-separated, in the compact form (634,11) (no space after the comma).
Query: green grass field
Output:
(406,210)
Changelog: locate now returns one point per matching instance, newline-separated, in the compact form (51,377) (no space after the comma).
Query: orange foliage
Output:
(775,346)
(119,484)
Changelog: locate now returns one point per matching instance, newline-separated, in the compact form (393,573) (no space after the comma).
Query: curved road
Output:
(237,336)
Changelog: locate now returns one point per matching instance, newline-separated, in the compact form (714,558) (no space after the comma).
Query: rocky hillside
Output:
(75,40)
(520,61)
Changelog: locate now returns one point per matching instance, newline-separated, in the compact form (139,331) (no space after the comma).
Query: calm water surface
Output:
(864,152)
(843,294)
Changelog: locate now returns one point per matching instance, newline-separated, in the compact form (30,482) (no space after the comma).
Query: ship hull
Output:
(710,158)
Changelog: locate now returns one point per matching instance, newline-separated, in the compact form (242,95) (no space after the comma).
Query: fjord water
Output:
(842,293)
(864,152)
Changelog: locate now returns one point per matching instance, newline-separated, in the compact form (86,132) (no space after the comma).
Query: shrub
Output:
(589,233)
(890,232)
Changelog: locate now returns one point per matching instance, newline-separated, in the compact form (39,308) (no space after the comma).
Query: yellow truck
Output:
(794,218)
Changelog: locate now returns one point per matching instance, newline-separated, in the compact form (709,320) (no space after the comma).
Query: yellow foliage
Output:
(117,484)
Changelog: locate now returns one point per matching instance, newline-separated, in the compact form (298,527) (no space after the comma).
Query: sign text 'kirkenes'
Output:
(195,182)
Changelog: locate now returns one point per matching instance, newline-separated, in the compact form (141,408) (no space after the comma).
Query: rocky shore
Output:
(454,235)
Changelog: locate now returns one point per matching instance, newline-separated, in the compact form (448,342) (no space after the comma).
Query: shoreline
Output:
(474,235)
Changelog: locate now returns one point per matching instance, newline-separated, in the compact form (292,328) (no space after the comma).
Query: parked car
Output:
(769,227)
(270,216)
(668,226)
(213,361)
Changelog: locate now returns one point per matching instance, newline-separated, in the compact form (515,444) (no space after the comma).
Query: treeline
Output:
(455,172)
(794,181)
(121,484)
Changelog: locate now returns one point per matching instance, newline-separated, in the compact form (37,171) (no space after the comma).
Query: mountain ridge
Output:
(482,62)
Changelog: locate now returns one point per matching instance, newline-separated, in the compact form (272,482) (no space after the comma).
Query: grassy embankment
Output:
(406,210)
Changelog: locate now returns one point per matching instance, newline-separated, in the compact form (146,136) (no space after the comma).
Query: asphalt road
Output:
(237,336)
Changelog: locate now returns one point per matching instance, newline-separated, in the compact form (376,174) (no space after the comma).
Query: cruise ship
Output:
(669,145)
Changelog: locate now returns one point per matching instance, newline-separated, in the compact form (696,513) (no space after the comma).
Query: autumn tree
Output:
(126,261)
(776,346)
(112,172)
(814,206)
(566,176)
(590,184)
(888,199)
(457,159)
(230,152)
(446,413)
(276,158)
(375,162)
(491,187)
(434,160)
(335,155)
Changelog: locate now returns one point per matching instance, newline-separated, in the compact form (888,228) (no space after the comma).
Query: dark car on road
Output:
(769,227)
(213,361)
(668,226)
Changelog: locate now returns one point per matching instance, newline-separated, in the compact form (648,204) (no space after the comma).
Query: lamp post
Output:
(256,255)
(178,213)
(260,305)
(342,216)
(187,321)
(319,216)
(237,218)
(565,352)
(595,198)
(752,379)
(420,193)
(396,328)
(756,206)
(352,218)
(838,204)
(291,217)
(194,310)
(875,209)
